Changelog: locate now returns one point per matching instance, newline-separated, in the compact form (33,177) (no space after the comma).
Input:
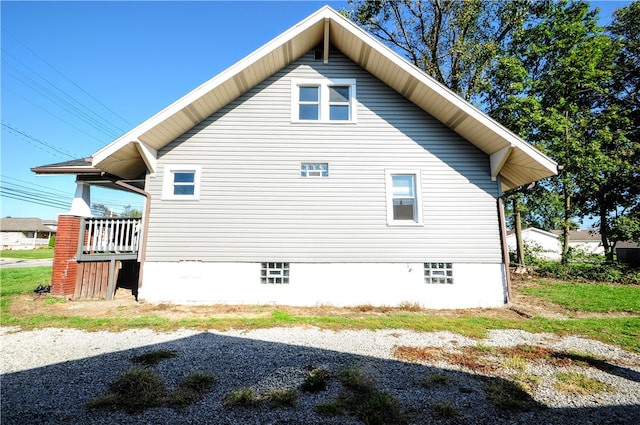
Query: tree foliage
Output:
(455,41)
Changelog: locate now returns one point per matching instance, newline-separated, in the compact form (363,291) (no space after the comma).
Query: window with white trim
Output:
(438,273)
(274,273)
(403,197)
(323,100)
(309,169)
(181,182)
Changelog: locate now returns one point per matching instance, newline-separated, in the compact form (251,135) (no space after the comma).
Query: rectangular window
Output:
(309,103)
(274,273)
(403,198)
(323,100)
(438,273)
(339,103)
(181,182)
(314,170)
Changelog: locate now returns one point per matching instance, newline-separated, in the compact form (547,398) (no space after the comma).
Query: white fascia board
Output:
(210,85)
(451,97)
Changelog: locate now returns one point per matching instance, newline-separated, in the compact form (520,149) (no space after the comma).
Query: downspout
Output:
(505,247)
(145,224)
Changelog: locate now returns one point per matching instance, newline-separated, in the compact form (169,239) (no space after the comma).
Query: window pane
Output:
(309,94)
(308,112)
(403,186)
(184,176)
(339,112)
(183,190)
(403,209)
(339,94)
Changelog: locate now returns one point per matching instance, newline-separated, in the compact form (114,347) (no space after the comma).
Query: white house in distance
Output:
(323,168)
(26,233)
(548,245)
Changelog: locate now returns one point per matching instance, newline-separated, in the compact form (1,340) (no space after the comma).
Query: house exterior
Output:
(544,245)
(26,233)
(548,245)
(584,240)
(322,169)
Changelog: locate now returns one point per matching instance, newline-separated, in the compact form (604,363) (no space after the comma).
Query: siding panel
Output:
(254,207)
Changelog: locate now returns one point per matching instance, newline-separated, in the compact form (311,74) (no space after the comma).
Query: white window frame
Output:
(168,181)
(324,104)
(417,216)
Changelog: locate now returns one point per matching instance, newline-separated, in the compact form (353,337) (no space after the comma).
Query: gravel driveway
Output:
(48,375)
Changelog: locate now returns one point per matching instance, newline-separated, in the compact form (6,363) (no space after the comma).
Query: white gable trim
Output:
(522,165)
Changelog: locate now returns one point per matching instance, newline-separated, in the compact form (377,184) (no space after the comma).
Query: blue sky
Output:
(76,75)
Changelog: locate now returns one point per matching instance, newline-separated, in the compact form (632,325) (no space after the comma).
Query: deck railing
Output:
(105,236)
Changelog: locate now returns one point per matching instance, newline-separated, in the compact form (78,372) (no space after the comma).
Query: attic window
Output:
(181,182)
(320,100)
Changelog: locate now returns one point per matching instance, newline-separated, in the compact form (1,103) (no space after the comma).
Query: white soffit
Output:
(523,165)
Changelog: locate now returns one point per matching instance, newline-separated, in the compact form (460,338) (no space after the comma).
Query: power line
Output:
(52,114)
(58,99)
(68,79)
(51,147)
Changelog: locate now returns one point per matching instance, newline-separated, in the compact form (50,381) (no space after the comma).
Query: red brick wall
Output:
(65,266)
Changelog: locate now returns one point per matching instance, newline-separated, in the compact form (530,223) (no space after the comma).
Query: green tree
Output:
(548,88)
(454,41)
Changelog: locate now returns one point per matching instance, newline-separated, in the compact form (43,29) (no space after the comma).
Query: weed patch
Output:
(367,403)
(315,381)
(436,379)
(444,410)
(579,383)
(508,395)
(249,398)
(152,358)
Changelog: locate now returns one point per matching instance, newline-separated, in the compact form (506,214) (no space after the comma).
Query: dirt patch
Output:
(125,305)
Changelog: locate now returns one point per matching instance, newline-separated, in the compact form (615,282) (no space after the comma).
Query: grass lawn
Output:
(622,331)
(31,254)
(589,297)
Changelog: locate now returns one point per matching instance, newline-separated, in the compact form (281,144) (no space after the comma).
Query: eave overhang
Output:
(514,160)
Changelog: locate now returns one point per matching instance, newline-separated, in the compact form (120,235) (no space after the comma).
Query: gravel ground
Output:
(48,375)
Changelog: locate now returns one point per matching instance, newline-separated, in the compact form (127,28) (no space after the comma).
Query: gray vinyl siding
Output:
(254,206)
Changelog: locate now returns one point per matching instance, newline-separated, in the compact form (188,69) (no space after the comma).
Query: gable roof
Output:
(10,224)
(512,158)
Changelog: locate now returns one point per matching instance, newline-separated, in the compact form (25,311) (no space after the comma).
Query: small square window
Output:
(181,182)
(274,273)
(438,273)
(314,170)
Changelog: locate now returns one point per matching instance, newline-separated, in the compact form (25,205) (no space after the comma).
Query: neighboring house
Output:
(543,244)
(321,169)
(26,233)
(585,241)
(548,245)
